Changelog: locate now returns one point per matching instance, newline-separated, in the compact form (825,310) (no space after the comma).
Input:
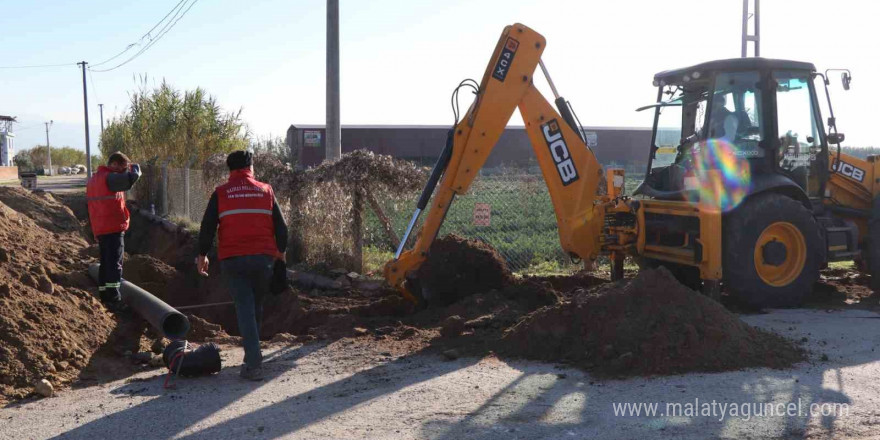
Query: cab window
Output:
(735,113)
(799,141)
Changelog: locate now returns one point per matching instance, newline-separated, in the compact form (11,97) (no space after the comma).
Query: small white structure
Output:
(7,141)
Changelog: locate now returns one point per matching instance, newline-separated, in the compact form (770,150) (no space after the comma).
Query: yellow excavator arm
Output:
(570,169)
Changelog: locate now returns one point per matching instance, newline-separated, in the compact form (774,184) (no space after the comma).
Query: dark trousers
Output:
(112,247)
(248,278)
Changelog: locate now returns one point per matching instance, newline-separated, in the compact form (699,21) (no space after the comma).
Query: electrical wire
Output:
(37,66)
(28,127)
(165,29)
(94,89)
(147,35)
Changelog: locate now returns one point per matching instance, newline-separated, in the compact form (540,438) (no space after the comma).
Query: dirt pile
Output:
(42,208)
(150,274)
(49,325)
(204,331)
(457,267)
(649,325)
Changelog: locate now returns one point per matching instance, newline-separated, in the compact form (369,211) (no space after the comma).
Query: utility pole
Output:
(756,36)
(86,109)
(333,129)
(48,148)
(101,109)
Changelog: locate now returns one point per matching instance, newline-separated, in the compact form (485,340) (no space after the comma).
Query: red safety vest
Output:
(244,208)
(107,211)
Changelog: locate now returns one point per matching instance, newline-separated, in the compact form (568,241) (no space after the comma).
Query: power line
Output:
(140,40)
(37,66)
(94,89)
(28,127)
(165,29)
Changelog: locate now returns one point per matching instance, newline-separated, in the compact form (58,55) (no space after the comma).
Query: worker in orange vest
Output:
(253,235)
(109,218)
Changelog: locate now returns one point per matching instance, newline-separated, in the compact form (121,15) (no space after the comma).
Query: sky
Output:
(400,60)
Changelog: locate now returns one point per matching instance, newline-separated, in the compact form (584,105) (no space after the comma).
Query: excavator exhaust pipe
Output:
(164,318)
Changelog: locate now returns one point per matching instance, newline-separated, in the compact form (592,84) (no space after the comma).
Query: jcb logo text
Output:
(559,152)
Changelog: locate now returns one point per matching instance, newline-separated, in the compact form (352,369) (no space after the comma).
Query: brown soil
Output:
(652,325)
(458,267)
(151,274)
(204,331)
(50,326)
(42,208)
(649,325)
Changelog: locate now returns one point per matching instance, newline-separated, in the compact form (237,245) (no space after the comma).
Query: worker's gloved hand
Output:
(136,169)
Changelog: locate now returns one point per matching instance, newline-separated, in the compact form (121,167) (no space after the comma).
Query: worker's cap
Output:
(239,159)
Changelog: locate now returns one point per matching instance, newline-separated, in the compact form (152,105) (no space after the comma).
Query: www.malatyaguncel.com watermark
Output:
(722,410)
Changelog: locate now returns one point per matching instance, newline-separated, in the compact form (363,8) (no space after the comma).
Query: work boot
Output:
(251,373)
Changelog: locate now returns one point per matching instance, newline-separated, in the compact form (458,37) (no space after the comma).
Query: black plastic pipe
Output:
(172,324)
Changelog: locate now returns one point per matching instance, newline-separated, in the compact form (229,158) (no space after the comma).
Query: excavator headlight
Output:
(696,75)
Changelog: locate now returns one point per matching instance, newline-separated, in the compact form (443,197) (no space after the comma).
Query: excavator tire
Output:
(872,246)
(772,252)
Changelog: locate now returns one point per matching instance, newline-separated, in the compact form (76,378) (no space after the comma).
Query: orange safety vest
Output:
(107,211)
(244,208)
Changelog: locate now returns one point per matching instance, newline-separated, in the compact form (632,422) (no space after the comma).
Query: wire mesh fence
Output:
(510,209)
(178,193)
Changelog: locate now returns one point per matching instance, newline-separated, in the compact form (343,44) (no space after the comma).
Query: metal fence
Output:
(509,209)
(177,193)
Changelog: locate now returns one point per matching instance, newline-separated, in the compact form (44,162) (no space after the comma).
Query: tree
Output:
(274,146)
(167,124)
(61,156)
(23,161)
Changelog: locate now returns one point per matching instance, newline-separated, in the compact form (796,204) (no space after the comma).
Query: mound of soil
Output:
(457,267)
(41,207)
(150,274)
(649,325)
(49,325)
(204,331)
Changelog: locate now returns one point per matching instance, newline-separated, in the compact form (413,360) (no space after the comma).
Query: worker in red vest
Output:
(109,217)
(252,236)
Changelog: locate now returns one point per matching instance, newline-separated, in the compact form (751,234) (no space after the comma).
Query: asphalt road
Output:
(347,390)
(56,184)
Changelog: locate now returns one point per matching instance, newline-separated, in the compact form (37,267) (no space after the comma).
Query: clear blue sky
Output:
(401,59)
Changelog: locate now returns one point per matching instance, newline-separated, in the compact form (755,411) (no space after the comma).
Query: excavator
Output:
(745,188)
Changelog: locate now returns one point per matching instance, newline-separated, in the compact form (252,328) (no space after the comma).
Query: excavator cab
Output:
(744,139)
(755,120)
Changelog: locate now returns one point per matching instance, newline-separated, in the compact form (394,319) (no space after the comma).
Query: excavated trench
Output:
(161,261)
(486,310)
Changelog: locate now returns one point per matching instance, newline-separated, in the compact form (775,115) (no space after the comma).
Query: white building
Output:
(7,141)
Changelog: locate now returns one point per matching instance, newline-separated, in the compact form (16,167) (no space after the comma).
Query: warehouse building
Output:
(619,146)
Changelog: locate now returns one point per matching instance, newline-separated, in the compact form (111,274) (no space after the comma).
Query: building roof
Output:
(754,63)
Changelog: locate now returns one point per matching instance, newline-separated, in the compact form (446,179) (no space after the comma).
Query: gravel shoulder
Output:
(353,389)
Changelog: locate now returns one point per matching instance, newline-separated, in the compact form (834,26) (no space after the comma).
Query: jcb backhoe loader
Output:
(741,189)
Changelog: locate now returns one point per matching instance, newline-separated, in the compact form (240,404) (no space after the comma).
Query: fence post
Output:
(357,230)
(164,187)
(186,189)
